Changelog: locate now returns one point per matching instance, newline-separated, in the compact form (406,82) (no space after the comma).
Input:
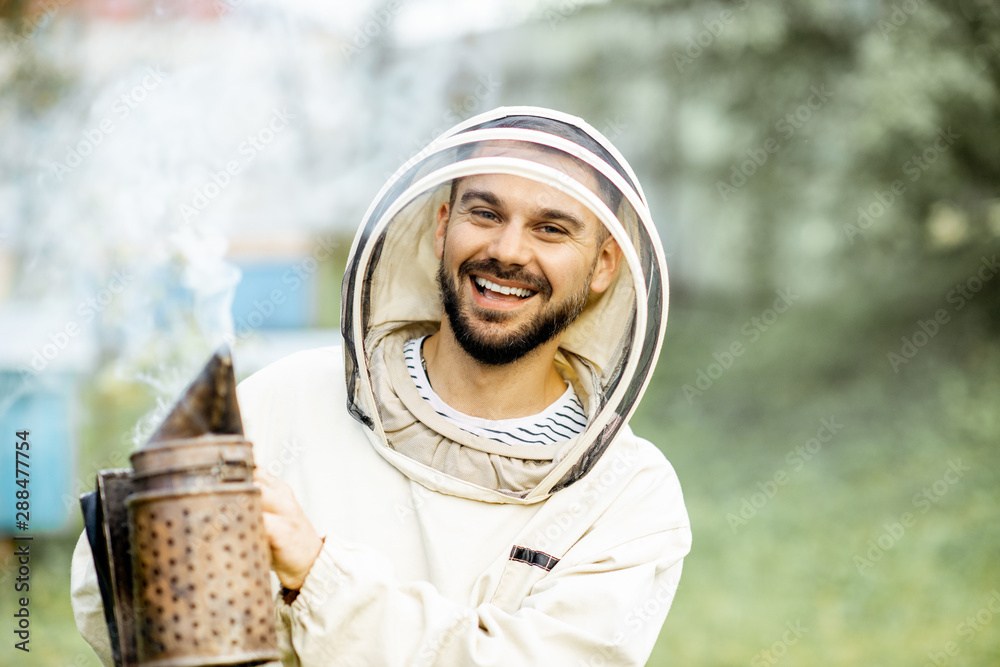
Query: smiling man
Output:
(472,493)
(518,265)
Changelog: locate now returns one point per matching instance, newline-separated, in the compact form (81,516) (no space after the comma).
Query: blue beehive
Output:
(46,411)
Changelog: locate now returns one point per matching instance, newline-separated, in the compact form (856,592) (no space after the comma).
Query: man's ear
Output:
(609,256)
(441,229)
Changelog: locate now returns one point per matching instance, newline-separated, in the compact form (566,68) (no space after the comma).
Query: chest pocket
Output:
(525,567)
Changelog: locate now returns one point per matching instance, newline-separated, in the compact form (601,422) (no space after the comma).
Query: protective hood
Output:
(390,295)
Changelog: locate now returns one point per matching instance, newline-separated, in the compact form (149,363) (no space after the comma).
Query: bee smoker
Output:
(178,541)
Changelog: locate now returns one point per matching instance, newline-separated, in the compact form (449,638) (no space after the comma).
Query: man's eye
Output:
(551,229)
(488,215)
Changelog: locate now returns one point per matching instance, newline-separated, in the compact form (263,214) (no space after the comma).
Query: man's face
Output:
(518,260)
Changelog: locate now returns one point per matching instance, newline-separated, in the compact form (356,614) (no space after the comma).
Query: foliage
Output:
(794,559)
(895,77)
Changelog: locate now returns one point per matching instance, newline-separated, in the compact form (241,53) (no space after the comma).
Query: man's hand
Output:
(294,542)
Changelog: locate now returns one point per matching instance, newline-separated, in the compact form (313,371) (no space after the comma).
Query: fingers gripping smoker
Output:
(178,541)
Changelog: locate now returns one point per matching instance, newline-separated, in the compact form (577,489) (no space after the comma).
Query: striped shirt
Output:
(557,423)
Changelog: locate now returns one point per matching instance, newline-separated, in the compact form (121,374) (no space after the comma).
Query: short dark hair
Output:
(610,194)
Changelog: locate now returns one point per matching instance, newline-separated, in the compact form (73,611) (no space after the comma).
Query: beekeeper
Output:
(473,494)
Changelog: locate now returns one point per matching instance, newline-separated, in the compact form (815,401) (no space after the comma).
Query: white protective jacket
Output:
(442,547)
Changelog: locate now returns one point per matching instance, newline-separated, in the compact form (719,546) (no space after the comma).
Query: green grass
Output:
(794,560)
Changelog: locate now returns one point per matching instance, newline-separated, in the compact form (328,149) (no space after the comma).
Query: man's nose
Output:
(510,245)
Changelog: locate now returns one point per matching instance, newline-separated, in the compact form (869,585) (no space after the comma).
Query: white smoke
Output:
(169,139)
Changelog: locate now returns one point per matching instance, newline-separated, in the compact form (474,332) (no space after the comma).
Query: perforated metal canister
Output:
(200,556)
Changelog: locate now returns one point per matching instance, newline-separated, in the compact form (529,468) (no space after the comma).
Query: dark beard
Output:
(516,344)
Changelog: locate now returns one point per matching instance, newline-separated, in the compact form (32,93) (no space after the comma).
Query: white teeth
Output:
(493,287)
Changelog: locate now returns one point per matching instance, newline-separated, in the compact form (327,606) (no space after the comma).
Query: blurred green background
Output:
(826,180)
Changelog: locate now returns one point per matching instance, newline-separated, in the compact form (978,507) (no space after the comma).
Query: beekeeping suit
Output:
(443,547)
